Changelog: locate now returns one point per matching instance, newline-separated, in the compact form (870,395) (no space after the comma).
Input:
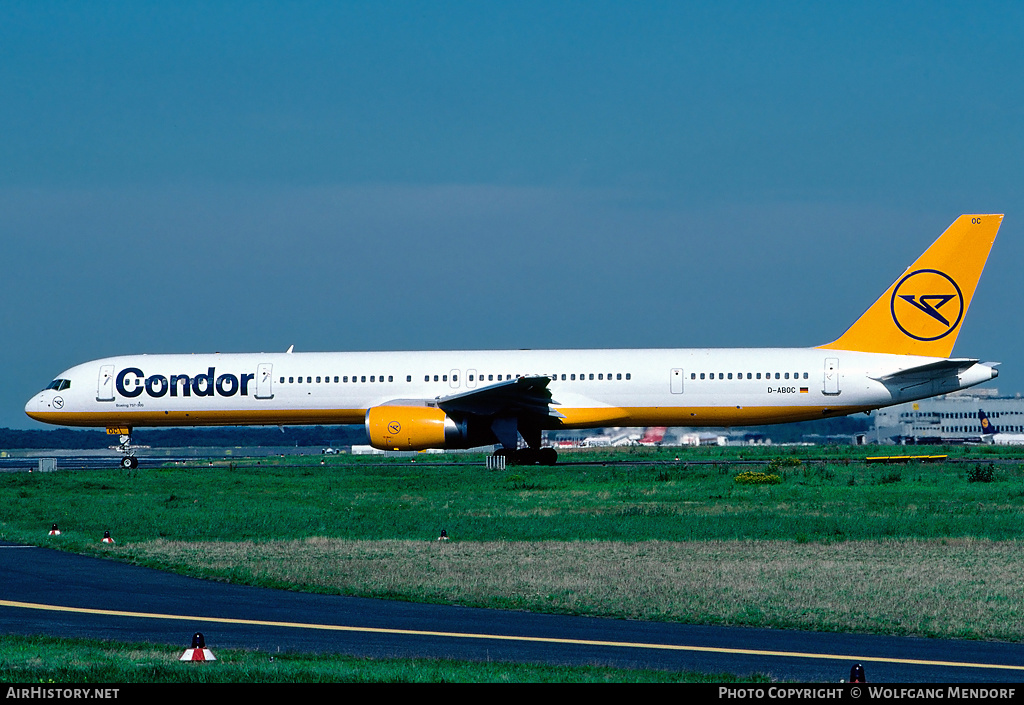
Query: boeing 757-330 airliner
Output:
(898,351)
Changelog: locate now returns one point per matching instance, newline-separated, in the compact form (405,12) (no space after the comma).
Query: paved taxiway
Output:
(51,592)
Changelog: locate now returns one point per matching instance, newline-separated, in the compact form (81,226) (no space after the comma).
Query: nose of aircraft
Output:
(35,405)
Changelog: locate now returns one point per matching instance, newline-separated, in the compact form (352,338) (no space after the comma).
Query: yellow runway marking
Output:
(504,637)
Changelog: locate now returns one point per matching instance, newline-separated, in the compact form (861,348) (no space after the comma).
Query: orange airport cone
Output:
(198,652)
(106,537)
(54,531)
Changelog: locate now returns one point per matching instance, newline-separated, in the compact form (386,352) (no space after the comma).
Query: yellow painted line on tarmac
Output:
(505,637)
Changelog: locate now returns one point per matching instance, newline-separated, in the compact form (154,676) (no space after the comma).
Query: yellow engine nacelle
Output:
(411,428)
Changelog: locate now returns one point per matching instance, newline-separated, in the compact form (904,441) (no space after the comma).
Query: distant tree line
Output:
(813,430)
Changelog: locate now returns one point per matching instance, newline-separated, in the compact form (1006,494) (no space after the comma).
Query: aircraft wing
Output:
(523,396)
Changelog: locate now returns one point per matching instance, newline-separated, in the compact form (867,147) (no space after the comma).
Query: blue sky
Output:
(194,177)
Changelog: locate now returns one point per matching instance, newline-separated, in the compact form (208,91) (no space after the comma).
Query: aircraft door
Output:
(831,376)
(454,379)
(265,381)
(676,382)
(471,378)
(105,384)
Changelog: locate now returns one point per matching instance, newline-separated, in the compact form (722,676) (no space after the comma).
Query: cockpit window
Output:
(59,385)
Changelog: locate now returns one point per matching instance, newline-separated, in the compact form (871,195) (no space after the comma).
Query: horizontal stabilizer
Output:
(939,377)
(931,370)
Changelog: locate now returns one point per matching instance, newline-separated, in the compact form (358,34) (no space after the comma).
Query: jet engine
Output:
(413,428)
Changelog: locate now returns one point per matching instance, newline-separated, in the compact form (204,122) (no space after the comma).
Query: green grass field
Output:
(929,549)
(43,660)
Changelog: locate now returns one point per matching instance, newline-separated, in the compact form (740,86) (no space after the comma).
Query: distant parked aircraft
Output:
(994,434)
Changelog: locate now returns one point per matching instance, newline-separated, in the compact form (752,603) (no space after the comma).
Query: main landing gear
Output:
(507,430)
(528,456)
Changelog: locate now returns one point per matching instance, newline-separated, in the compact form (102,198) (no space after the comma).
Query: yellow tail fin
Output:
(921,313)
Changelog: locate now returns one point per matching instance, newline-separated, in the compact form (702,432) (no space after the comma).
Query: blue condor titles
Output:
(132,381)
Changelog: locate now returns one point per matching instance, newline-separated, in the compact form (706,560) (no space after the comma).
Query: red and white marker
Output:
(106,537)
(198,652)
(54,531)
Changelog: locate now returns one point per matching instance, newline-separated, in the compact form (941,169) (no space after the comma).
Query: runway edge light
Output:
(54,531)
(198,652)
(106,537)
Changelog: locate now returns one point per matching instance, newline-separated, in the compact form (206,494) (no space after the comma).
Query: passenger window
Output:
(291,380)
(627,375)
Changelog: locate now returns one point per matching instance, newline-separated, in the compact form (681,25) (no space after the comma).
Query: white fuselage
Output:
(589,388)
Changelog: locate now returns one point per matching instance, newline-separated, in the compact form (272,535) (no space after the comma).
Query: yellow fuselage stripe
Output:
(571,418)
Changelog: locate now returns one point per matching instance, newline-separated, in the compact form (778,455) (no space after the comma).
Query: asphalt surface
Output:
(46,591)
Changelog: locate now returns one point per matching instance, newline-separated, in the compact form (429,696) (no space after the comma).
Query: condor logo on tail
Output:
(927,305)
(921,313)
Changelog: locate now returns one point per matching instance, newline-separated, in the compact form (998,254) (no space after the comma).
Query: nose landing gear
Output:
(128,459)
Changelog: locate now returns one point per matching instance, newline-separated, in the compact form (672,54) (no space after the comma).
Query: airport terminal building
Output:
(951,418)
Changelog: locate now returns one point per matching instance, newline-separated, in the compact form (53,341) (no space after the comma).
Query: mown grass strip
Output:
(966,589)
